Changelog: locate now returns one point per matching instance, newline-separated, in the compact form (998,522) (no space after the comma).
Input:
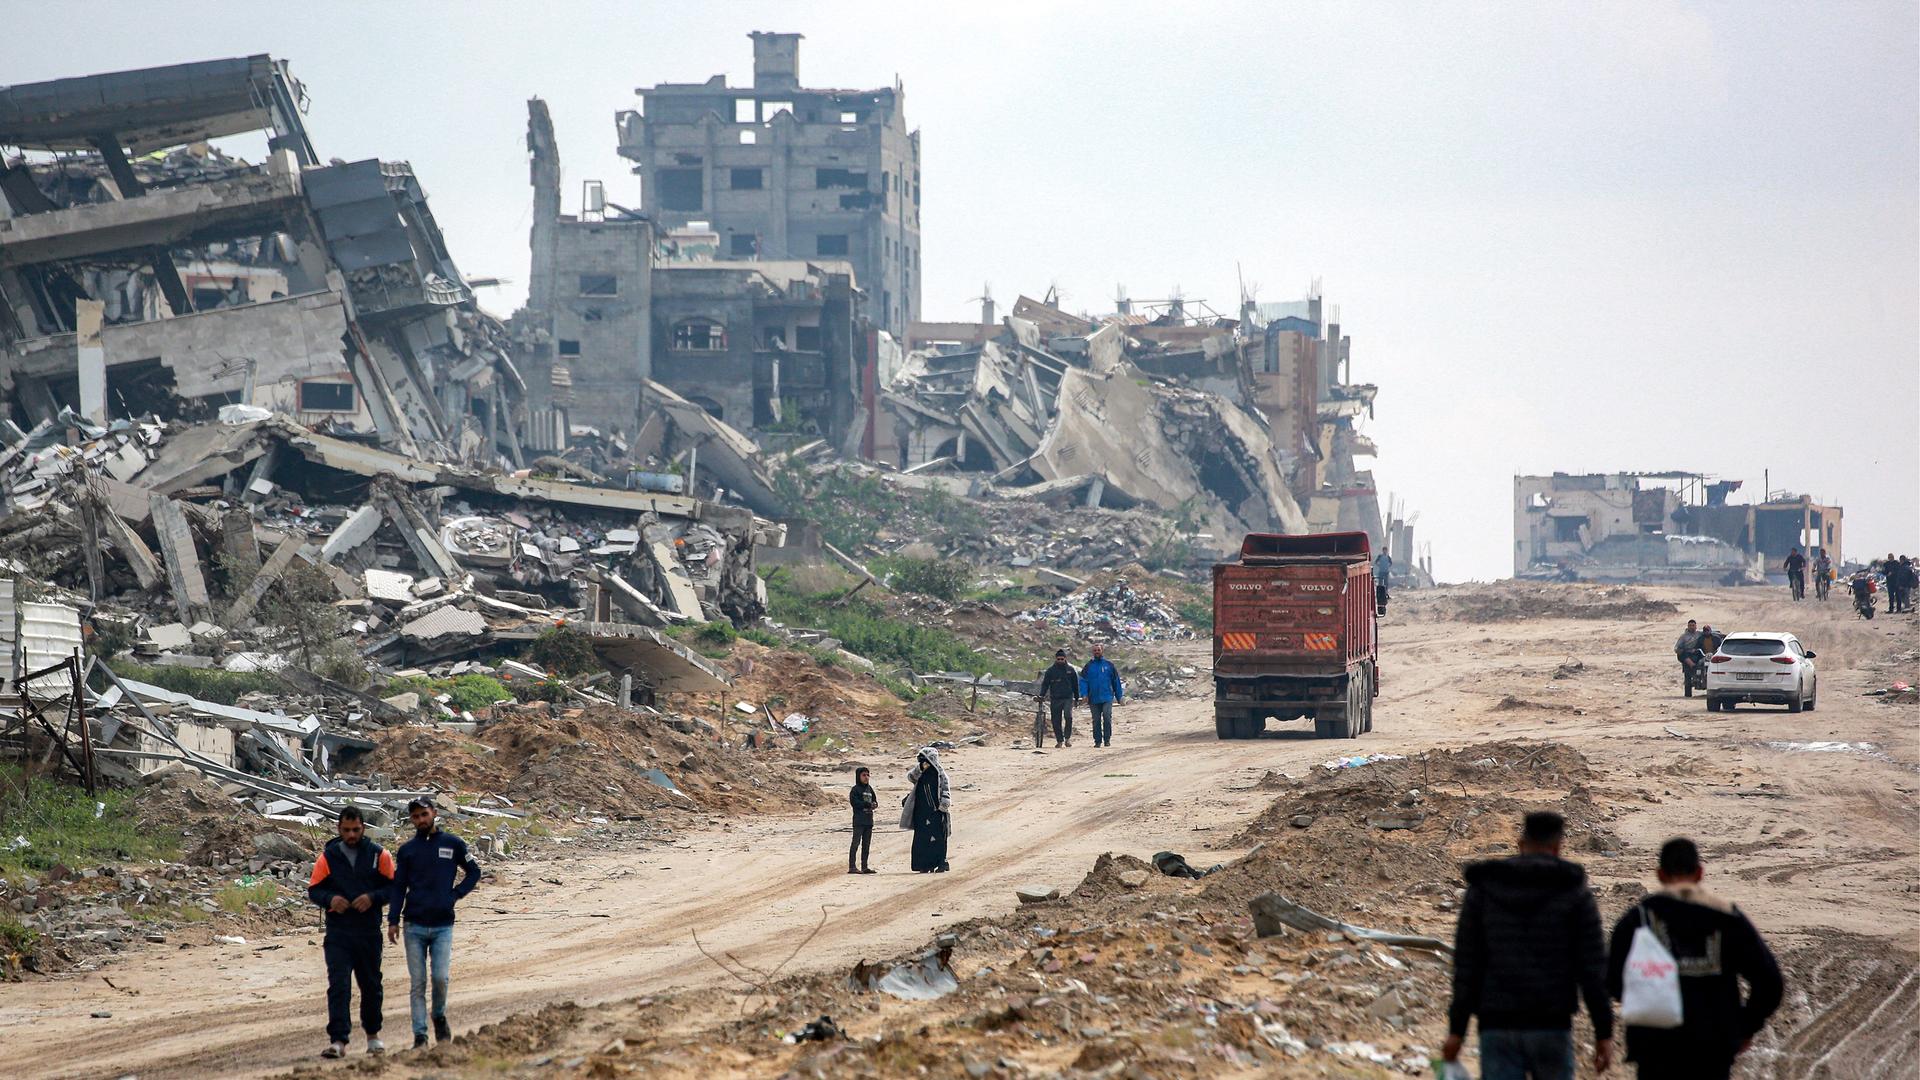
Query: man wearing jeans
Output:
(1527,949)
(1100,685)
(424,892)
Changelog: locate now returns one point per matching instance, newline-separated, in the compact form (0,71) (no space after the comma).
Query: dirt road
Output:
(1817,843)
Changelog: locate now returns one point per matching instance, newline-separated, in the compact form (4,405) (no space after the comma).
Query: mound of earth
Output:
(1514,601)
(208,826)
(600,760)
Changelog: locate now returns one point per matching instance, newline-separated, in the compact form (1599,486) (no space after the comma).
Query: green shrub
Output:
(342,663)
(717,633)
(564,651)
(234,899)
(17,937)
(471,693)
(866,629)
(1197,613)
(942,579)
(207,684)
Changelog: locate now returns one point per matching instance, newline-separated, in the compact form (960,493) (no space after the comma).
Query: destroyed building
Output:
(1660,526)
(782,172)
(144,271)
(771,346)
(1241,425)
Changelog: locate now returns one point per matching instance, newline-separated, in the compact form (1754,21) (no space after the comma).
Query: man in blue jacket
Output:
(1100,685)
(351,882)
(424,892)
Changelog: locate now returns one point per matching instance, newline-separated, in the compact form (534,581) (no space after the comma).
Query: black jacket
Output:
(1060,681)
(338,873)
(1715,947)
(1528,948)
(424,889)
(863,800)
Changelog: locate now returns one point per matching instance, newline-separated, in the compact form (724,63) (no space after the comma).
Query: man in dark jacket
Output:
(1795,564)
(424,892)
(350,882)
(1060,688)
(1100,685)
(1528,947)
(863,800)
(1715,947)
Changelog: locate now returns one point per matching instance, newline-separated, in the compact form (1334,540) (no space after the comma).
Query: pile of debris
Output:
(1513,601)
(1116,611)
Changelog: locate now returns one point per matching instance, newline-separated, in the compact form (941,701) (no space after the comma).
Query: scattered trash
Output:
(1116,611)
(1361,760)
(924,978)
(1174,865)
(821,1030)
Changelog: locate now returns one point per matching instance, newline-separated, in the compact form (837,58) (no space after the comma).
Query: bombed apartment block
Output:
(1252,420)
(1660,526)
(778,171)
(145,271)
(773,347)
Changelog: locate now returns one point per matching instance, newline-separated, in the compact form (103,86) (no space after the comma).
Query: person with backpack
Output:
(1526,951)
(1714,948)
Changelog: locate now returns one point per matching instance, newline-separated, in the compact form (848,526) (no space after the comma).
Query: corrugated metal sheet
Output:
(445,622)
(9,635)
(49,633)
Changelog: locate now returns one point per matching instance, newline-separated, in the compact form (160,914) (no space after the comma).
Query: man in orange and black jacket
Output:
(350,882)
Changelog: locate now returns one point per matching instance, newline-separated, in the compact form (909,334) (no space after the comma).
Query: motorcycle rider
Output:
(1710,639)
(1822,574)
(1687,650)
(1796,566)
(1861,586)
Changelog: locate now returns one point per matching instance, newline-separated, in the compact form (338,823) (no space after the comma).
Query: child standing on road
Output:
(863,800)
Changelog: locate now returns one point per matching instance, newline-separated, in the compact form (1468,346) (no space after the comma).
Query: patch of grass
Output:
(63,825)
(866,629)
(467,693)
(1197,612)
(17,937)
(763,637)
(899,688)
(234,899)
(207,684)
(171,913)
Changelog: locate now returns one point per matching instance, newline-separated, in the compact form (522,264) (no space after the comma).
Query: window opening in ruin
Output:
(748,138)
(849,117)
(592,314)
(839,178)
(743,111)
(773,337)
(599,285)
(699,335)
(320,396)
(681,189)
(747,179)
(1566,530)
(769,108)
(569,348)
(806,338)
(743,244)
(830,244)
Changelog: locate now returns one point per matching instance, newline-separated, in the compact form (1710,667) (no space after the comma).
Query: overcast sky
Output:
(1582,236)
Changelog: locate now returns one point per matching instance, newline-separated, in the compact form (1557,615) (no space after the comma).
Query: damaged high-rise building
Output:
(782,172)
(142,270)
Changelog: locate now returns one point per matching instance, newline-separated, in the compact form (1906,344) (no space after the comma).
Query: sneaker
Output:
(442,1031)
(419,1039)
(375,1046)
(334,1050)
(864,870)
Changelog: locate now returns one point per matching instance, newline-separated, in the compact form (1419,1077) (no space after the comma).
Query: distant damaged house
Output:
(769,345)
(1662,526)
(141,268)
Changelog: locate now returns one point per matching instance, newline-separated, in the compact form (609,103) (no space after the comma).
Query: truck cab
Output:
(1294,635)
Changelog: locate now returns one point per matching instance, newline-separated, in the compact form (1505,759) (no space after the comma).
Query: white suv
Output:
(1761,667)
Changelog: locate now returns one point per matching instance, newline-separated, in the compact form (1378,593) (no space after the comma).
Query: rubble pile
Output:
(1116,611)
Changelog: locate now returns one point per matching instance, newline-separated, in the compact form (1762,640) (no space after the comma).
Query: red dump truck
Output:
(1293,635)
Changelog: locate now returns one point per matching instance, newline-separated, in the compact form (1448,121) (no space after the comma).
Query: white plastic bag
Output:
(1650,986)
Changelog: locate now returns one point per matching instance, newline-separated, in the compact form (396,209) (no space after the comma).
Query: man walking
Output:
(1714,947)
(424,893)
(863,800)
(1795,565)
(350,882)
(1100,685)
(1060,688)
(1527,948)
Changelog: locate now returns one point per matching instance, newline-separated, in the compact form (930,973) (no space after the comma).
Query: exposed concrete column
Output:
(183,559)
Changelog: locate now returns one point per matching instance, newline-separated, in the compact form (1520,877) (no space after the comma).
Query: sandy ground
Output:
(1817,845)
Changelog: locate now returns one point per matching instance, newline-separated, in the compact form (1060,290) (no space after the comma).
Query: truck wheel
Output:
(1250,726)
(1366,702)
(1326,726)
(1223,725)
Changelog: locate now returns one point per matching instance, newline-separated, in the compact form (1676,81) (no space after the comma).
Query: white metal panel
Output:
(9,635)
(49,633)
